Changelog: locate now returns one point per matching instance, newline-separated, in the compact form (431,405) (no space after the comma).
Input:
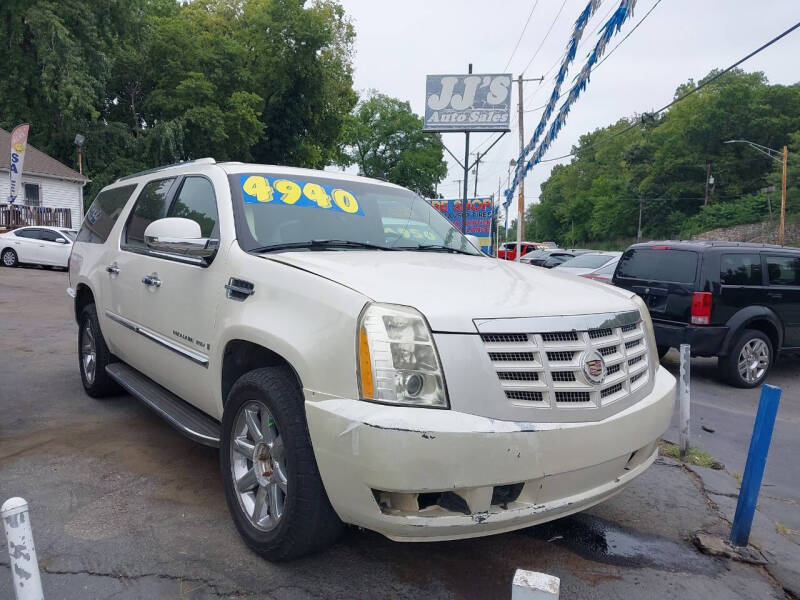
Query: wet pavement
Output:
(124,507)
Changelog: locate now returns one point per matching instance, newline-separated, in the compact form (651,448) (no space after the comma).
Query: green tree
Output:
(385,139)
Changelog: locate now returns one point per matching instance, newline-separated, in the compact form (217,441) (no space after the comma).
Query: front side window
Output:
(48,235)
(196,201)
(32,194)
(276,211)
(103,213)
(150,206)
(740,269)
(783,270)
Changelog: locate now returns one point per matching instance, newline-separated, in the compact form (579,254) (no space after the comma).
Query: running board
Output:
(191,422)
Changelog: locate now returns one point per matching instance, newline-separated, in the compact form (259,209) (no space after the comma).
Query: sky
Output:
(399,43)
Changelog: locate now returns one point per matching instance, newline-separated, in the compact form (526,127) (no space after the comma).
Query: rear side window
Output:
(196,201)
(103,213)
(678,266)
(783,270)
(740,269)
(27,233)
(150,206)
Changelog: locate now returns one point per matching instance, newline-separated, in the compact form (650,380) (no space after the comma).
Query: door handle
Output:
(113,269)
(151,280)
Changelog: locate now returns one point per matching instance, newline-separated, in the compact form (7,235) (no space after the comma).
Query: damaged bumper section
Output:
(416,474)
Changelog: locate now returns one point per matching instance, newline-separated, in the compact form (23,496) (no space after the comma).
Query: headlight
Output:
(649,332)
(397,360)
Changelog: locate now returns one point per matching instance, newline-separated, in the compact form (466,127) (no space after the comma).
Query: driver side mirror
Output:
(179,237)
(61,240)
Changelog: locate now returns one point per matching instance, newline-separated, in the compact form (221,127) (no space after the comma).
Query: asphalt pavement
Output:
(122,506)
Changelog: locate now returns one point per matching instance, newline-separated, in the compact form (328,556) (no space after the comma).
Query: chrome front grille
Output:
(546,370)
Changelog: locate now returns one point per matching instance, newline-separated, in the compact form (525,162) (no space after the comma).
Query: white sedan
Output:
(38,245)
(588,262)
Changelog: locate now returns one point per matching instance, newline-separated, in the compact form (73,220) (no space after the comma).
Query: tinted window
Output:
(679,266)
(196,201)
(69,234)
(103,213)
(783,270)
(27,233)
(49,236)
(740,269)
(150,206)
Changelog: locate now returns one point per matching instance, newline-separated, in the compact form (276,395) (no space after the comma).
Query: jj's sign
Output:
(467,102)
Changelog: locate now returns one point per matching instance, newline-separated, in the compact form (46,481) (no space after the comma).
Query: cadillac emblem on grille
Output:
(593,366)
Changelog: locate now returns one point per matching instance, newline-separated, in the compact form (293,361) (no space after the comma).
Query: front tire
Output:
(272,484)
(94,356)
(9,258)
(749,361)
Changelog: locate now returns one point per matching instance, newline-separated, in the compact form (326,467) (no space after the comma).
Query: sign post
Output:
(467,103)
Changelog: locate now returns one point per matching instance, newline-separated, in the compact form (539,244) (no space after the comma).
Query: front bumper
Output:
(368,453)
(705,340)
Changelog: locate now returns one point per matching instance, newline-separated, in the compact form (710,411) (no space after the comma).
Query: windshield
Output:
(69,233)
(586,261)
(276,210)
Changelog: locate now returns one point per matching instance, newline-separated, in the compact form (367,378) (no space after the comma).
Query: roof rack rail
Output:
(198,161)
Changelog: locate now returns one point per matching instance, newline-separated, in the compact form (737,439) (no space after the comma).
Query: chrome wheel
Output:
(88,352)
(753,360)
(9,259)
(257,466)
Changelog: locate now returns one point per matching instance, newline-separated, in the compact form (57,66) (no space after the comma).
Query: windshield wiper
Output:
(321,245)
(437,248)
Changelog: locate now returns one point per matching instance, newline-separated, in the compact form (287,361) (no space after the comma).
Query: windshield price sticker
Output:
(258,189)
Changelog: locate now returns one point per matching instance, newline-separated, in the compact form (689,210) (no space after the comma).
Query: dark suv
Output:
(737,301)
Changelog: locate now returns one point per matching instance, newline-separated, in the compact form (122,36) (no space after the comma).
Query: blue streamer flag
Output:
(612,26)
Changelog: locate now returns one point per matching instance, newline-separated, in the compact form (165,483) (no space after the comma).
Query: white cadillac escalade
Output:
(356,359)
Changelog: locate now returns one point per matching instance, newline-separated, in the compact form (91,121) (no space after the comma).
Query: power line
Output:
(684,96)
(514,51)
(558,14)
(610,52)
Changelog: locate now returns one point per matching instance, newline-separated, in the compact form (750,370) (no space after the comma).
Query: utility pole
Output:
(466,178)
(783,196)
(521,200)
(477,164)
(639,231)
(708,176)
(497,216)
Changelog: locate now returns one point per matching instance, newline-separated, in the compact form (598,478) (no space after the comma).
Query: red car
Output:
(508,250)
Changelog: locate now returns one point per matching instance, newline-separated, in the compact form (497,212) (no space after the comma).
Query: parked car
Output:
(508,251)
(552,257)
(737,301)
(49,246)
(588,262)
(267,311)
(603,274)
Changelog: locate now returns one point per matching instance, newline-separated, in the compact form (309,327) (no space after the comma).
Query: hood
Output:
(453,289)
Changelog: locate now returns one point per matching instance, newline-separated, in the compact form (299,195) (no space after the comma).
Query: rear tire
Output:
(94,356)
(272,484)
(9,258)
(749,361)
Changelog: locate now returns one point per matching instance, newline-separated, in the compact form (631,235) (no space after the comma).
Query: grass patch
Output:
(785,530)
(694,457)
(738,478)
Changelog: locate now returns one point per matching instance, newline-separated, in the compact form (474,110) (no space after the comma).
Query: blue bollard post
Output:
(756,461)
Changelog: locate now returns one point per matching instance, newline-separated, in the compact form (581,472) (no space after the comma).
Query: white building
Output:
(52,193)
